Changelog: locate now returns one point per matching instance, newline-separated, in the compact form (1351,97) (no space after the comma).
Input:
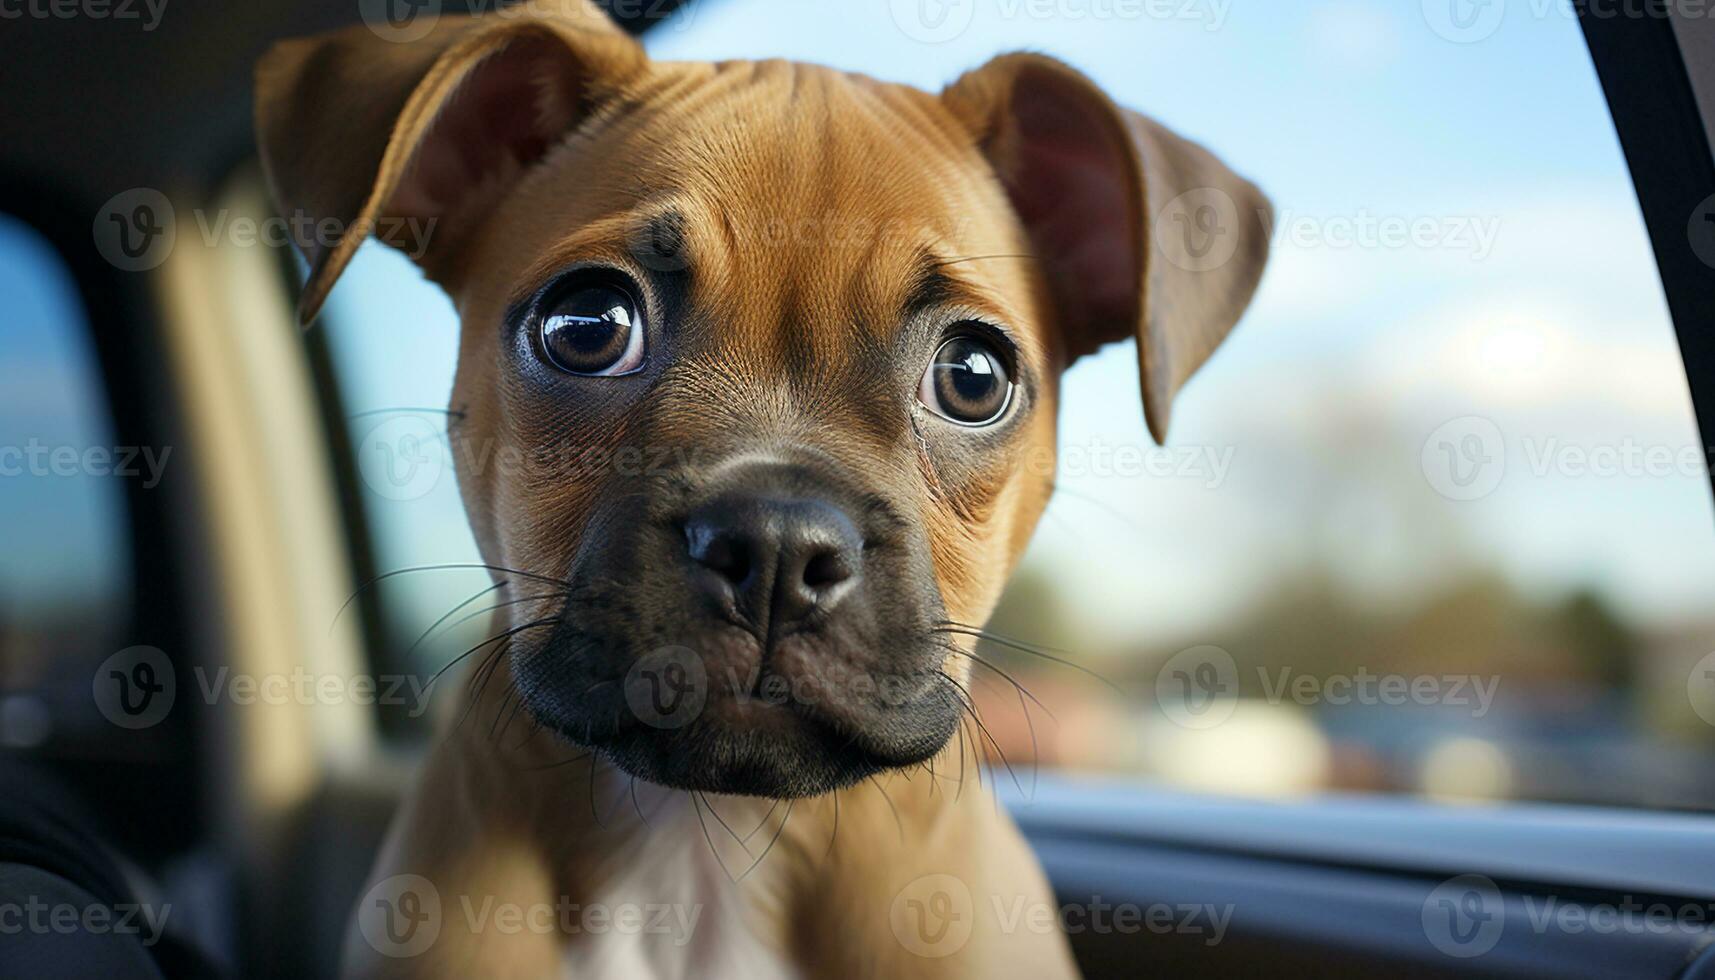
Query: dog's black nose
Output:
(778,559)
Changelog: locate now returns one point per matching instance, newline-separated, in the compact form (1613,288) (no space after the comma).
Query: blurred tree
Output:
(1605,647)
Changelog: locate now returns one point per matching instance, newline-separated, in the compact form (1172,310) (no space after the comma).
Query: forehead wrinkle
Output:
(611,233)
(980,287)
(907,119)
(733,305)
(938,283)
(777,154)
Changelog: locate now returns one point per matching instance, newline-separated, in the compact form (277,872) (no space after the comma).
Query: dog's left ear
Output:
(1139,232)
(415,140)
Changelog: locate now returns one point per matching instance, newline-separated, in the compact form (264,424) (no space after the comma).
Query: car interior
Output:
(261,490)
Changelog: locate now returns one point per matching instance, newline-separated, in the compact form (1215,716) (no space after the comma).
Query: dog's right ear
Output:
(416,140)
(1140,232)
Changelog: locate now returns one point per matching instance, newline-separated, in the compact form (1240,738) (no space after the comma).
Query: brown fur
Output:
(802,209)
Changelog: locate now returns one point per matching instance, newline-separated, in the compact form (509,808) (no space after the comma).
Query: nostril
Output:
(774,561)
(730,558)
(826,569)
(724,554)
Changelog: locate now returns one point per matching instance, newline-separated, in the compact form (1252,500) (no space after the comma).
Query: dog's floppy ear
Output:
(415,140)
(1139,232)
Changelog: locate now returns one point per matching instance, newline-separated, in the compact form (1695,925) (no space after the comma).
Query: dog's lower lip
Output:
(745,709)
(756,714)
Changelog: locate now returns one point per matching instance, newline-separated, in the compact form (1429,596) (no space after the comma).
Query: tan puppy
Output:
(812,327)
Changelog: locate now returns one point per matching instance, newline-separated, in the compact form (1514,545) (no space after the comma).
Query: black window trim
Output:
(1642,67)
(166,533)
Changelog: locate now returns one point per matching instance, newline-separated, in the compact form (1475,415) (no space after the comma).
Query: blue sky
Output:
(62,533)
(1552,328)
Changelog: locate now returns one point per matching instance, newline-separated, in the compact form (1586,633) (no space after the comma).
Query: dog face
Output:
(779,344)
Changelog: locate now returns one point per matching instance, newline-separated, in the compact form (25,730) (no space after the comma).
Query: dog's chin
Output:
(746,744)
(797,759)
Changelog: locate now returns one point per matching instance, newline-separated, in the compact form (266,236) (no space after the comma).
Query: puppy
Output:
(781,346)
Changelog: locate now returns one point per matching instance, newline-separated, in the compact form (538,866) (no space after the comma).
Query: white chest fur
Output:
(669,909)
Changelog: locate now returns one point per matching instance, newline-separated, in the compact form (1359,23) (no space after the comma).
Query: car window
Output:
(1436,520)
(65,567)
(393,340)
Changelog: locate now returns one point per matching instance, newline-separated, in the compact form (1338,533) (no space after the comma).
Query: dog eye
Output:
(967,382)
(593,325)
